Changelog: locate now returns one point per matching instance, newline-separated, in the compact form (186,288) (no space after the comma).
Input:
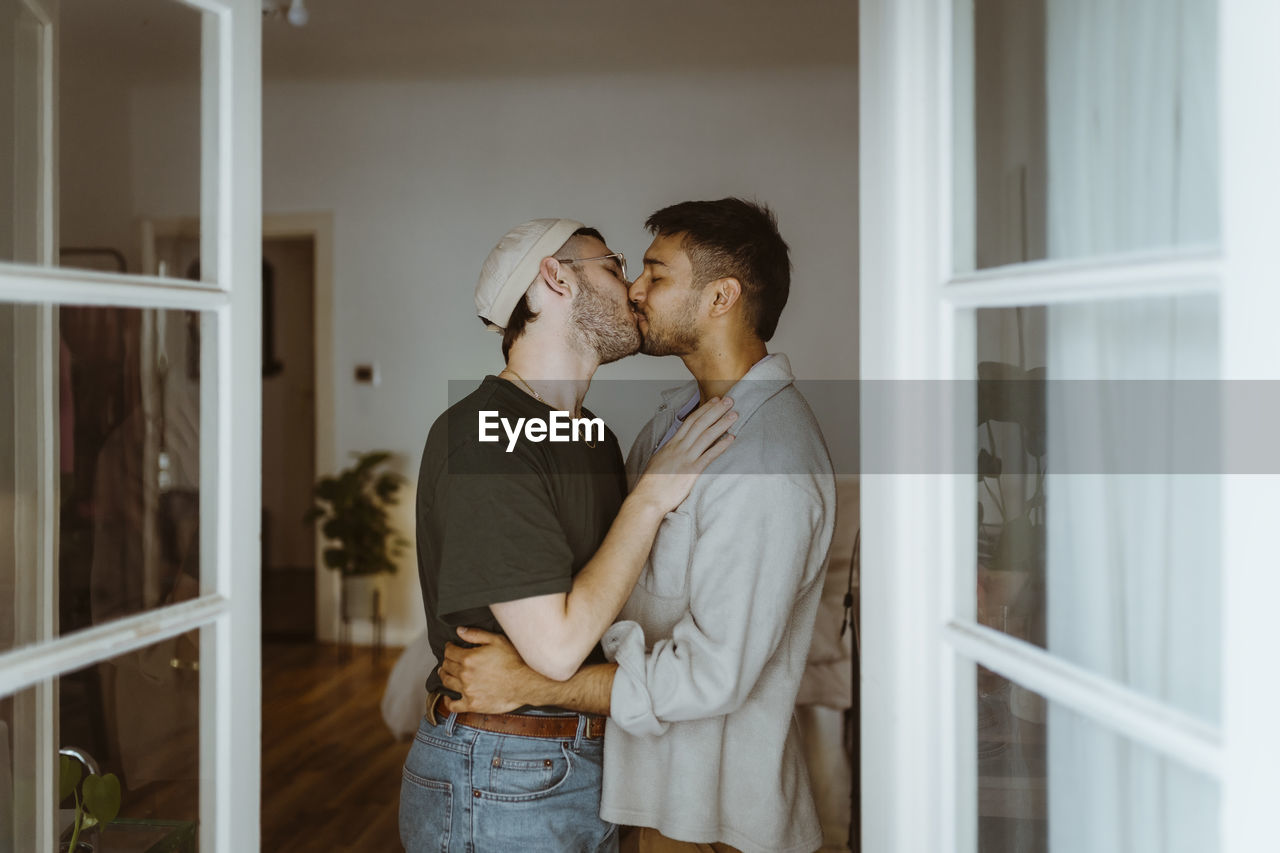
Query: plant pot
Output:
(998,592)
(81,847)
(357,591)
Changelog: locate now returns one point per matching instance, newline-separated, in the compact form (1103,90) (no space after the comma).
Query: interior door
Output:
(1063,286)
(129,434)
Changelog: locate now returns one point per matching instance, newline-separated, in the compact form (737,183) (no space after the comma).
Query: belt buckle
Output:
(433,699)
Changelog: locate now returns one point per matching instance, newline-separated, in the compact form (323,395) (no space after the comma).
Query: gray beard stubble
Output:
(600,326)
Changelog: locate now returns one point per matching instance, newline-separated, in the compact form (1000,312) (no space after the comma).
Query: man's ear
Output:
(723,294)
(553,275)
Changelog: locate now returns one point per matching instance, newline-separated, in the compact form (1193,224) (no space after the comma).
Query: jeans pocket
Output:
(518,772)
(426,813)
(563,818)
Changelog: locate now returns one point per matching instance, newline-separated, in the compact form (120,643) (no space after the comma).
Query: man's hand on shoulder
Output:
(492,677)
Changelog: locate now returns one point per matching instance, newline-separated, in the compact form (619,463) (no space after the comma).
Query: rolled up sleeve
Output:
(748,565)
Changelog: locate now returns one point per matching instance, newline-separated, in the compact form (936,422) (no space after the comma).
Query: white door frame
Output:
(920,639)
(318,227)
(35,454)
(903,231)
(228,608)
(1249,138)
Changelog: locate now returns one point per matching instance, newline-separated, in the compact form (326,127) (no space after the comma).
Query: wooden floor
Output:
(330,767)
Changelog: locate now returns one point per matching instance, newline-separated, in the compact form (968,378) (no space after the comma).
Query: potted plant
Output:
(1011,546)
(353,506)
(1011,541)
(97,797)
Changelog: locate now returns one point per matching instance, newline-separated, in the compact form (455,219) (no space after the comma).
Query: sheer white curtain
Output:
(1132,576)
(1132,582)
(1131,125)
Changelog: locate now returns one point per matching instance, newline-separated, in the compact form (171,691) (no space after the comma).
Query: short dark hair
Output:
(522,315)
(732,237)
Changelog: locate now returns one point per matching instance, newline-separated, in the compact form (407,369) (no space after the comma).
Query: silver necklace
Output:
(539,397)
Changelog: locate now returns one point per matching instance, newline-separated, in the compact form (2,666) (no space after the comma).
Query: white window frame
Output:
(920,639)
(228,608)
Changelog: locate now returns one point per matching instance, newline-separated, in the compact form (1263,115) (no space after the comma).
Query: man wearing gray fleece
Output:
(701,750)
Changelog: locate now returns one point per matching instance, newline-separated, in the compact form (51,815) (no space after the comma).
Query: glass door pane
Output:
(21,131)
(129,127)
(127,457)
(1049,779)
(18,770)
(1093,128)
(1096,450)
(137,717)
(133,722)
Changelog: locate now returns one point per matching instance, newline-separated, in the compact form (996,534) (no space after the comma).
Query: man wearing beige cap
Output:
(535,538)
(702,752)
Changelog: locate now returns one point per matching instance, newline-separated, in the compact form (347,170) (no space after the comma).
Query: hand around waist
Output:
(491,677)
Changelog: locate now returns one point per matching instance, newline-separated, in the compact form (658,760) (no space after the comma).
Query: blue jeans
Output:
(468,791)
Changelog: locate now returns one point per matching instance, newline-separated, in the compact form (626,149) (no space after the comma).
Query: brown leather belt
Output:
(524,725)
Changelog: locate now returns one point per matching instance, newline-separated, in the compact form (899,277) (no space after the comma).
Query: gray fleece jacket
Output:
(701,742)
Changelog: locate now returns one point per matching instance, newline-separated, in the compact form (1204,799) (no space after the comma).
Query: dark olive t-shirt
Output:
(496,526)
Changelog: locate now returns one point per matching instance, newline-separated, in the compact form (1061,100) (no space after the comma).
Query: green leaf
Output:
(69,772)
(989,465)
(372,460)
(328,489)
(362,539)
(102,797)
(1010,394)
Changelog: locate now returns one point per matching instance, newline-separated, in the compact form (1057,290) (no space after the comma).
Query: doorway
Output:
(289,424)
(169,246)
(288,438)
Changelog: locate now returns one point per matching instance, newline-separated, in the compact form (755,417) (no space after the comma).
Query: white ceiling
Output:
(416,38)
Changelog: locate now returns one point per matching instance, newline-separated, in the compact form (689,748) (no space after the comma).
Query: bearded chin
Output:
(610,343)
(600,328)
(619,351)
(681,340)
(652,345)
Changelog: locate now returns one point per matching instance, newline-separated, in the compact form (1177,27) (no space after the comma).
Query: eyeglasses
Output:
(622,262)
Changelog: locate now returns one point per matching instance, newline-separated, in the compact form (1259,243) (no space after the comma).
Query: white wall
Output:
(95,204)
(423,176)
